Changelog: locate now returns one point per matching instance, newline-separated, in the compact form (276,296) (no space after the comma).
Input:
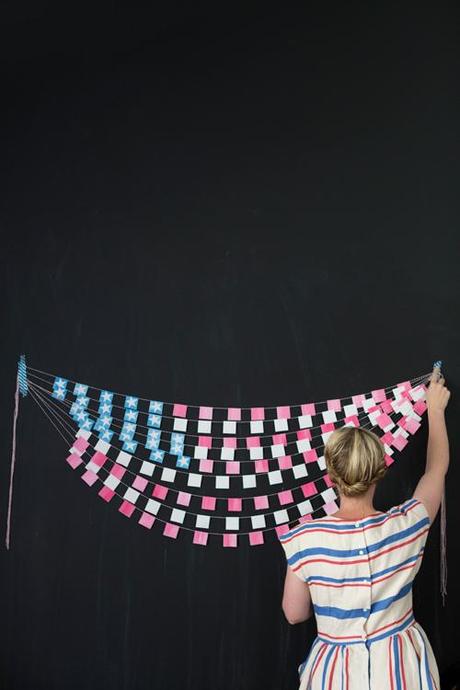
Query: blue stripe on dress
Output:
(375,576)
(304,527)
(326,665)
(397,663)
(336,612)
(350,553)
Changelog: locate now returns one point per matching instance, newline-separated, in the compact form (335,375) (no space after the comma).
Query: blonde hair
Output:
(355,459)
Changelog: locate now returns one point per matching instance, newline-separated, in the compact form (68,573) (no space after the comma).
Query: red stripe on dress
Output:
(331,677)
(315,665)
(418,657)
(346,667)
(401,658)
(384,627)
(338,637)
(362,584)
(309,528)
(362,560)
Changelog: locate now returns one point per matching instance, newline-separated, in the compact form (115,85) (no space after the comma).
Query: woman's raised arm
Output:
(431,485)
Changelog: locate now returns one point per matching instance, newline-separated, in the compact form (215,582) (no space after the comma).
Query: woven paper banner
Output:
(232,473)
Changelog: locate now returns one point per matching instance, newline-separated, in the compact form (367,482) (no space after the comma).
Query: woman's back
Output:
(360,577)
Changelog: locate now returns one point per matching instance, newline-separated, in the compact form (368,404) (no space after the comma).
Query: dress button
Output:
(356,524)
(361,552)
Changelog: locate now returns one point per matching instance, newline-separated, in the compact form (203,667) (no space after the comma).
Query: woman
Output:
(354,569)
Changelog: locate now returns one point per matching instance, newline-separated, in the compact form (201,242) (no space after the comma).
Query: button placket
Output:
(366,609)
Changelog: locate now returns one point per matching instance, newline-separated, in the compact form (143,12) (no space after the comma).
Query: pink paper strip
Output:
(126,508)
(256,538)
(309,489)
(328,480)
(146,520)
(283,412)
(383,420)
(420,407)
(285,497)
(208,502)
(232,467)
(139,483)
(234,504)
(310,455)
(171,530)
(285,462)
(379,395)
(206,465)
(205,413)
(257,413)
(234,414)
(279,439)
(183,498)
(353,419)
(330,508)
(99,458)
(74,460)
(106,493)
(334,405)
(160,491)
(308,409)
(260,502)
(117,470)
(261,466)
(89,477)
(399,442)
(81,444)
(358,400)
(230,540)
(179,410)
(200,538)
(412,426)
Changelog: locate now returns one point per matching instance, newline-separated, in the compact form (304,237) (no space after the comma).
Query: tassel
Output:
(443,547)
(21,386)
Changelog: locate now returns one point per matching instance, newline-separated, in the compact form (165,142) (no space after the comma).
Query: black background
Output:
(228,205)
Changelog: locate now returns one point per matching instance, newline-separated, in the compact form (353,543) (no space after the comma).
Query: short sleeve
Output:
(414,527)
(292,546)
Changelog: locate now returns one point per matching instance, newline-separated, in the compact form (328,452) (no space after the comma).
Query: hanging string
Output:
(443,548)
(216,407)
(115,423)
(21,386)
(13,462)
(56,404)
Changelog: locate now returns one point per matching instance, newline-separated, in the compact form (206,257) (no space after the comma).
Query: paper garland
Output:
(235,474)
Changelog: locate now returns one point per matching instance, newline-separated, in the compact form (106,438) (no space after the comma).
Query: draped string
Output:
(22,386)
(443,548)
(13,462)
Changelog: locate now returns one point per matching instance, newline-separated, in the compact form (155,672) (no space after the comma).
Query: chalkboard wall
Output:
(230,205)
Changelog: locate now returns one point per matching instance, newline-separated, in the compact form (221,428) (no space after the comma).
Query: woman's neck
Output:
(356,507)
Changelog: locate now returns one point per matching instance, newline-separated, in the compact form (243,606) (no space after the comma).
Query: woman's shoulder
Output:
(409,512)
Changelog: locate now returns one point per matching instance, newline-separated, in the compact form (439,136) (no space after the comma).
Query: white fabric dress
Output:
(360,576)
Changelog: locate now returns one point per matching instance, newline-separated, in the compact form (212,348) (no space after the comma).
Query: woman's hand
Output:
(437,395)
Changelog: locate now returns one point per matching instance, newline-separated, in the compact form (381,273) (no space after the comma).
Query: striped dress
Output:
(360,575)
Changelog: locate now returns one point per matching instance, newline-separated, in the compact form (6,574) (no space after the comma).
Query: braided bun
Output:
(355,459)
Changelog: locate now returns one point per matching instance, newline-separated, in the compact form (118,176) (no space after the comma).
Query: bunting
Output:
(229,474)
